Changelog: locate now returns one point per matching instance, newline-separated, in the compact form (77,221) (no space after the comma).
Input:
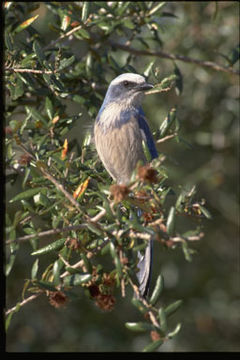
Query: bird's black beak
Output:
(145,87)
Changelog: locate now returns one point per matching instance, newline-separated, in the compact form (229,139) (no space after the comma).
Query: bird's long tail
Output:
(145,269)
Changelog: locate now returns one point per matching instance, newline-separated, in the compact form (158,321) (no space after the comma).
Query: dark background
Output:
(208,110)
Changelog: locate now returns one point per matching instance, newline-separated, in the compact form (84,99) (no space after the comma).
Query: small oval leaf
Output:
(76,279)
(153,346)
(139,326)
(157,290)
(50,247)
(171,221)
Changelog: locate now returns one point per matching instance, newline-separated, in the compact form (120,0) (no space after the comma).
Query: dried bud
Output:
(57,299)
(8,130)
(147,217)
(94,290)
(108,280)
(169,243)
(147,174)
(142,196)
(155,335)
(124,260)
(24,159)
(72,243)
(119,192)
(105,302)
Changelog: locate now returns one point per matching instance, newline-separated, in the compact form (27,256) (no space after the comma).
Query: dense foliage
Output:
(71,235)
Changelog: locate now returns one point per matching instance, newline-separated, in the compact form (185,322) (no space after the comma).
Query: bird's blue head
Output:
(128,89)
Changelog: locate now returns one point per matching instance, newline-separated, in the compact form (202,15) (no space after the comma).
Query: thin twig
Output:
(162,54)
(156,91)
(25,301)
(34,71)
(97,217)
(189,238)
(151,314)
(63,36)
(168,137)
(47,233)
(89,255)
(122,280)
(61,188)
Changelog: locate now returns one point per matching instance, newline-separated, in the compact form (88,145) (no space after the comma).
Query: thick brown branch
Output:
(165,55)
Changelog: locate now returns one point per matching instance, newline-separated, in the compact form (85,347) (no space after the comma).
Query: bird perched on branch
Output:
(119,130)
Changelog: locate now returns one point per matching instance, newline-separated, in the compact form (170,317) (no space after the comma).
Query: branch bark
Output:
(162,54)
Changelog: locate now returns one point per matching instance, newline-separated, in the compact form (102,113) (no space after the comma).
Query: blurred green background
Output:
(208,110)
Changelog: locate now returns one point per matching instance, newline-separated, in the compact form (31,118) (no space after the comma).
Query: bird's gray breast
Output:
(118,141)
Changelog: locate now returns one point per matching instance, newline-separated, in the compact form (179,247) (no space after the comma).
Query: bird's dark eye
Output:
(126,83)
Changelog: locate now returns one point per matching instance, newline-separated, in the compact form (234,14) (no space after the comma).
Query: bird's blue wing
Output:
(145,128)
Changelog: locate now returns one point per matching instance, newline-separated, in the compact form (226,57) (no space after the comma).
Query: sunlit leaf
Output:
(26,23)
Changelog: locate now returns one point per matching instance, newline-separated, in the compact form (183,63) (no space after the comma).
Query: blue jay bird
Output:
(119,129)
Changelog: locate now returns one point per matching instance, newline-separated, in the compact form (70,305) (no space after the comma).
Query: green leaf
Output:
(128,24)
(14,247)
(153,346)
(28,194)
(116,259)
(46,285)
(50,247)
(76,279)
(148,69)
(34,269)
(157,290)
(17,218)
(123,7)
(54,83)
(163,320)
(26,23)
(171,221)
(89,63)
(56,272)
(87,263)
(65,22)
(8,320)
(170,309)
(156,8)
(28,60)
(49,108)
(138,303)
(9,317)
(94,229)
(235,55)
(36,115)
(8,40)
(187,251)
(66,62)
(139,326)
(105,26)
(178,81)
(167,123)
(146,151)
(175,331)
(39,53)
(82,33)
(85,10)
(205,212)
